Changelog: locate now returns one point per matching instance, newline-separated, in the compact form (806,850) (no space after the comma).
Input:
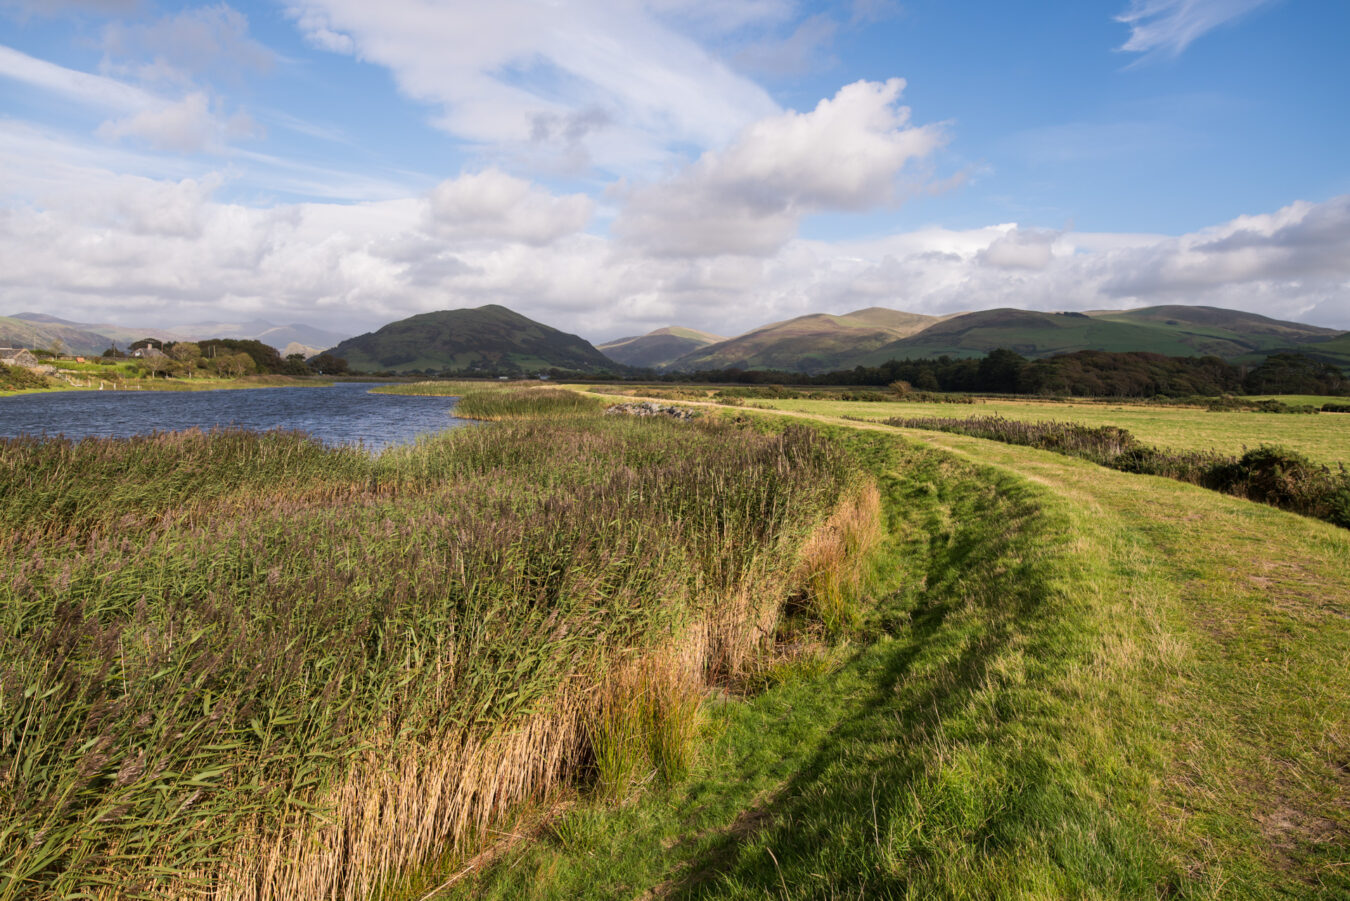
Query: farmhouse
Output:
(17,356)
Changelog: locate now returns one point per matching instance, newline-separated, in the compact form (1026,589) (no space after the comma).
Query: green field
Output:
(1324,437)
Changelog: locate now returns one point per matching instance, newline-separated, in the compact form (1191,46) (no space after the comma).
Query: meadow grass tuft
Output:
(254,667)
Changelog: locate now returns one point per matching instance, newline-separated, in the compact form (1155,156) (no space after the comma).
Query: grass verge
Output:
(1074,683)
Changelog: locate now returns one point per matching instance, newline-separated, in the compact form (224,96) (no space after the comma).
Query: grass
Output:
(525,403)
(1041,679)
(254,666)
(445,387)
(503,400)
(93,382)
(1073,683)
(1324,438)
(1268,474)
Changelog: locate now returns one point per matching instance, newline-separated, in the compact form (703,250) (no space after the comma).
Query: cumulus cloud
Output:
(96,246)
(748,197)
(494,205)
(1020,248)
(1169,26)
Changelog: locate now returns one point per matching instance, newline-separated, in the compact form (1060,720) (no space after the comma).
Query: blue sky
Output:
(611,166)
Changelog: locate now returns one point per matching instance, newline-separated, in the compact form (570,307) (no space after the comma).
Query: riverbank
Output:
(172,384)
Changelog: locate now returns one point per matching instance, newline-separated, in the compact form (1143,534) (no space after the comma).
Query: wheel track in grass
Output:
(1215,692)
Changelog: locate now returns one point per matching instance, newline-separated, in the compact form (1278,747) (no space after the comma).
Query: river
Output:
(345,413)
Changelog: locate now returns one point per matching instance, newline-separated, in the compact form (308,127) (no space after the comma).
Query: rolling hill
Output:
(1176,331)
(818,342)
(486,339)
(658,349)
(34,330)
(38,330)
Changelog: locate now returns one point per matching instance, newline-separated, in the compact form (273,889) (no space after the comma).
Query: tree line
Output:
(1085,373)
(224,357)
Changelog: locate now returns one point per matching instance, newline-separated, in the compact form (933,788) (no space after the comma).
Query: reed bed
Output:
(525,403)
(244,666)
(1269,474)
(445,388)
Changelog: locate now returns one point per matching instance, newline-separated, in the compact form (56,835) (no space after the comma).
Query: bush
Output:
(16,378)
(1271,475)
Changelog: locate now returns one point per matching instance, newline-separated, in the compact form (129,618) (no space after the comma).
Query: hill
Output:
(486,339)
(818,342)
(1174,331)
(38,330)
(42,330)
(278,336)
(658,349)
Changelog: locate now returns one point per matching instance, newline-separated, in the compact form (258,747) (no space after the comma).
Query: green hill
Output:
(818,342)
(1175,331)
(658,349)
(1335,350)
(38,330)
(486,339)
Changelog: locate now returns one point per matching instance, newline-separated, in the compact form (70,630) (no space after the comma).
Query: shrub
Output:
(1271,475)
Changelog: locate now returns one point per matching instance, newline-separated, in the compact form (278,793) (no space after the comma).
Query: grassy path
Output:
(1075,683)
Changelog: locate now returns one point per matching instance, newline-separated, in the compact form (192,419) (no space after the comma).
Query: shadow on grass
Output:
(959,772)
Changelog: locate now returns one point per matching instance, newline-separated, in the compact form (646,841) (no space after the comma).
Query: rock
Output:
(651,408)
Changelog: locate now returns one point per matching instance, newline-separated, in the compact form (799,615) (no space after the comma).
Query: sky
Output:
(613,166)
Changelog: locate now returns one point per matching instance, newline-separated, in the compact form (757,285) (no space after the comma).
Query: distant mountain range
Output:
(495,339)
(489,339)
(818,342)
(822,343)
(655,350)
(39,330)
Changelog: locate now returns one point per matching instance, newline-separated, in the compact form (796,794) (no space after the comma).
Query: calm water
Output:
(341,414)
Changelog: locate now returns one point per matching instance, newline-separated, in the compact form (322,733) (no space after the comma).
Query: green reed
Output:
(228,659)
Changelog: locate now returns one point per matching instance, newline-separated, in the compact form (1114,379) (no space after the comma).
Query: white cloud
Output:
(494,205)
(90,90)
(187,126)
(1020,249)
(1169,26)
(494,69)
(212,39)
(60,7)
(88,244)
(748,198)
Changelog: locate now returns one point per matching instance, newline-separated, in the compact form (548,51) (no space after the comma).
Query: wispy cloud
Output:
(82,87)
(496,71)
(1170,26)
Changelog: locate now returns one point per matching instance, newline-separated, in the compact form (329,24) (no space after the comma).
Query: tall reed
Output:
(250,667)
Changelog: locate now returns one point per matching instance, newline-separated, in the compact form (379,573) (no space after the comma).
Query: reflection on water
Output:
(340,414)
